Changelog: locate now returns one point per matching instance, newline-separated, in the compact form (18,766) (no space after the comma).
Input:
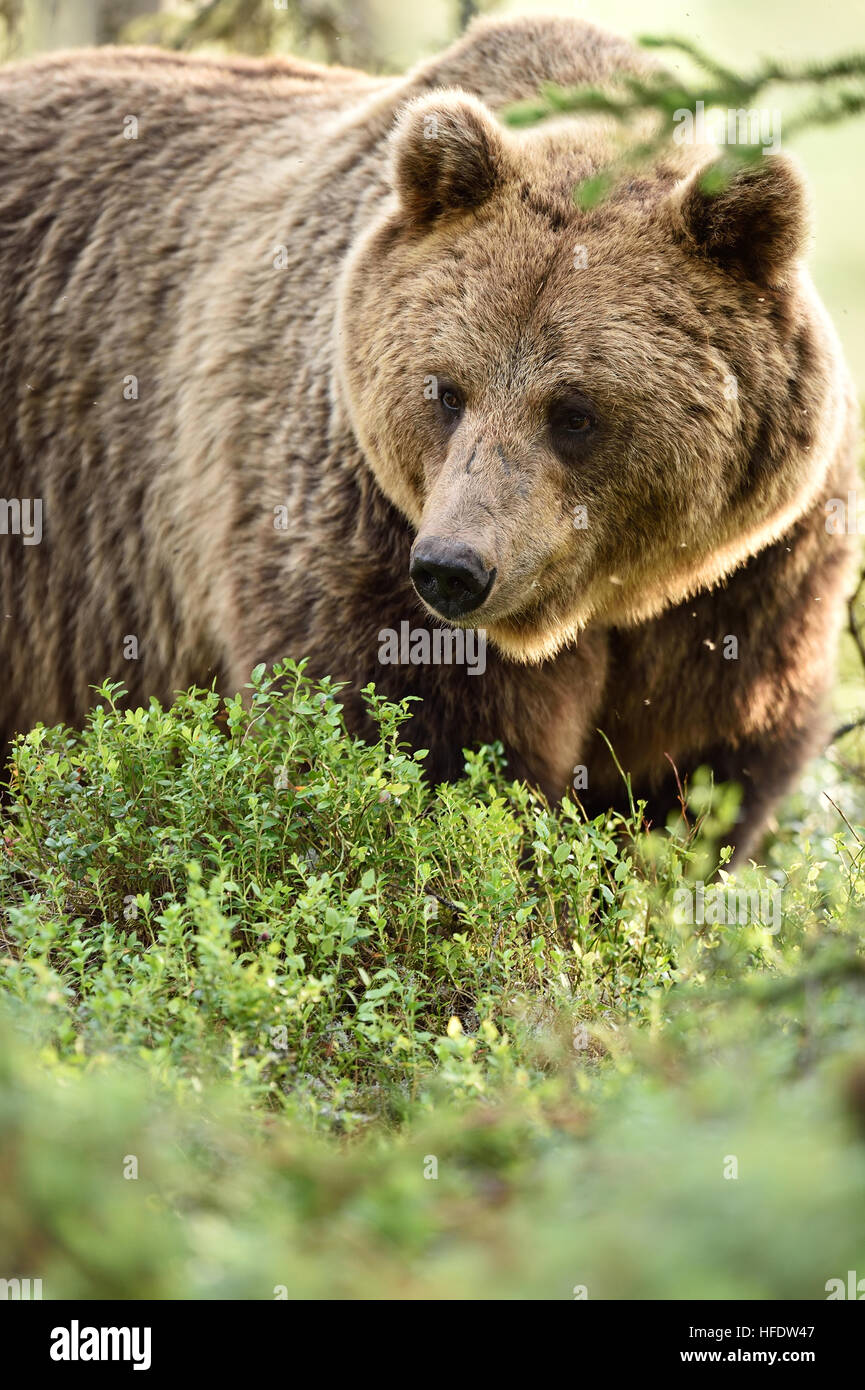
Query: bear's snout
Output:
(450,576)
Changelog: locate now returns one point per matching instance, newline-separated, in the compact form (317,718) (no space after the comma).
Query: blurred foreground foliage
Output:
(647,108)
(365,1038)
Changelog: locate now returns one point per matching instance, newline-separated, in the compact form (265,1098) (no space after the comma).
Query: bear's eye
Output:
(572,422)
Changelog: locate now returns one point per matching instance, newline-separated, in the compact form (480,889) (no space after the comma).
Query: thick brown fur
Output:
(282,259)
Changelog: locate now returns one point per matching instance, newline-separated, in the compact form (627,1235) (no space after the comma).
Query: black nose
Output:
(450,576)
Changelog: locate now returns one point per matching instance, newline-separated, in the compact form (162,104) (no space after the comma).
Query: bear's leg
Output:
(763,771)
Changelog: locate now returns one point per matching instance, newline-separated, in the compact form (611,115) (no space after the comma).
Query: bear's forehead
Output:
(509,260)
(517,315)
(551,164)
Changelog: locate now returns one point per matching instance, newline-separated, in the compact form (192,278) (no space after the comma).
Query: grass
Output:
(279,1018)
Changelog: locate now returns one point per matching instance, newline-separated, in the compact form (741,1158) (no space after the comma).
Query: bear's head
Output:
(585,414)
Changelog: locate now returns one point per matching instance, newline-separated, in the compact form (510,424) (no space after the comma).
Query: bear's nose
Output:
(450,576)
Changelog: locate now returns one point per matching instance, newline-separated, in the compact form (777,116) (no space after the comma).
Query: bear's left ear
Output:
(448,155)
(758,222)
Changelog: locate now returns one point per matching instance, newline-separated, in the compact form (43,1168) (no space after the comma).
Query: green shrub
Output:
(282,972)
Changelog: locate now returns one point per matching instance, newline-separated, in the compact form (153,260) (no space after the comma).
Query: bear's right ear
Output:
(757,221)
(448,155)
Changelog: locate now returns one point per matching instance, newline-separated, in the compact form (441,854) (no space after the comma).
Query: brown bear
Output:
(300,362)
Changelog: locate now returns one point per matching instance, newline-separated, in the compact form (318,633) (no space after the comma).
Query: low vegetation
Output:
(280,1017)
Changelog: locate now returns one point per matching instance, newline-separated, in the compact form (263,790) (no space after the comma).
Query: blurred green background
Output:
(387,35)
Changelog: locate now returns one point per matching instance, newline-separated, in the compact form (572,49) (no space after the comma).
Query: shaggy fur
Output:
(283,259)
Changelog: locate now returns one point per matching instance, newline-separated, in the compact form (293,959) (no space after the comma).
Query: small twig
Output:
(856,836)
(852,626)
(859,642)
(848,729)
(495,941)
(680,790)
(624,776)
(253,722)
(452,907)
